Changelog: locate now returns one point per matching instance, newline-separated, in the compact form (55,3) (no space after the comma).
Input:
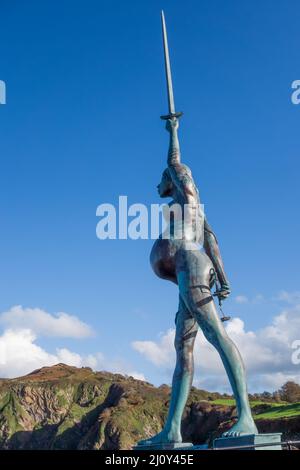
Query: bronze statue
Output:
(193,262)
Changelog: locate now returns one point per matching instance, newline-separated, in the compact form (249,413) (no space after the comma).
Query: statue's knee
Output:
(184,362)
(185,342)
(184,350)
(214,335)
(182,346)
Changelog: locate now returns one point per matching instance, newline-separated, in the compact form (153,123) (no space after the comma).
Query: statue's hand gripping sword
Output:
(172,113)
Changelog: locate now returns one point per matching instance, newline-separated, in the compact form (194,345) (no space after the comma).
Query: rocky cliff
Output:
(63,407)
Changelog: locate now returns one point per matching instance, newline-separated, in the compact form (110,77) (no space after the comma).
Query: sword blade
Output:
(168,66)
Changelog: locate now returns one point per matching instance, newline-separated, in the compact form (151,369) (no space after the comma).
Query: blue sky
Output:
(85,89)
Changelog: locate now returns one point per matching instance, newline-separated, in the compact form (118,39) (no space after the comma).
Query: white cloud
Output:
(258,298)
(117,366)
(44,324)
(159,353)
(266,352)
(241,299)
(136,375)
(19,354)
(289,297)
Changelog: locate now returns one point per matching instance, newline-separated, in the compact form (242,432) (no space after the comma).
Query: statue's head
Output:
(165,187)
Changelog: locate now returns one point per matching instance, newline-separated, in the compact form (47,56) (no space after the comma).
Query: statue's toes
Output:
(231,434)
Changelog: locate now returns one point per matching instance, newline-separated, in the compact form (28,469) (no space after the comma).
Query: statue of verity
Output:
(193,262)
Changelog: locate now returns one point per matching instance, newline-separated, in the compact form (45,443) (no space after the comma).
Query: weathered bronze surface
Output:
(193,262)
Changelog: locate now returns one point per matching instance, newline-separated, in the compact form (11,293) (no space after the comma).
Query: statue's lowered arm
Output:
(212,249)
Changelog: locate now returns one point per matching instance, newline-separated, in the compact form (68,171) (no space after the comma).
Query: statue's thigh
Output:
(186,326)
(201,305)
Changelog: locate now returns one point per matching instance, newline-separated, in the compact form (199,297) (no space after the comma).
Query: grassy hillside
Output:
(63,407)
(265,410)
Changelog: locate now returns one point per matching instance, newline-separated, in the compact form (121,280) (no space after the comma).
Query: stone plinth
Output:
(166,446)
(256,440)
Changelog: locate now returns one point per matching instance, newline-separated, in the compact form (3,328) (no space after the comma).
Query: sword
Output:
(172,113)
(216,294)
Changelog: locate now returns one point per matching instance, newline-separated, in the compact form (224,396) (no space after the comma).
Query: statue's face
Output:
(165,186)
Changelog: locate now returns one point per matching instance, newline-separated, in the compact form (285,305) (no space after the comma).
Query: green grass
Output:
(274,410)
(223,401)
(231,402)
(280,411)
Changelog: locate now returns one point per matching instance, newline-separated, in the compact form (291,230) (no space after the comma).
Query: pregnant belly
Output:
(162,259)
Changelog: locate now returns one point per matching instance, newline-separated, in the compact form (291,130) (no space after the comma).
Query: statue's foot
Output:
(242,427)
(163,437)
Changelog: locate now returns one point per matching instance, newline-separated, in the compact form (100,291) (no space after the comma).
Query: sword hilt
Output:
(171,116)
(223,317)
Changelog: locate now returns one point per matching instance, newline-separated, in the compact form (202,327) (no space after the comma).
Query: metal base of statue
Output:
(166,446)
(250,442)
(246,442)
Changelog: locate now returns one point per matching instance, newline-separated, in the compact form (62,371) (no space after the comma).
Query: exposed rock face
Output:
(62,407)
(202,421)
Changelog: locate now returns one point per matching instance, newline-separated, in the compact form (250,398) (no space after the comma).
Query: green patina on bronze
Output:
(194,263)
